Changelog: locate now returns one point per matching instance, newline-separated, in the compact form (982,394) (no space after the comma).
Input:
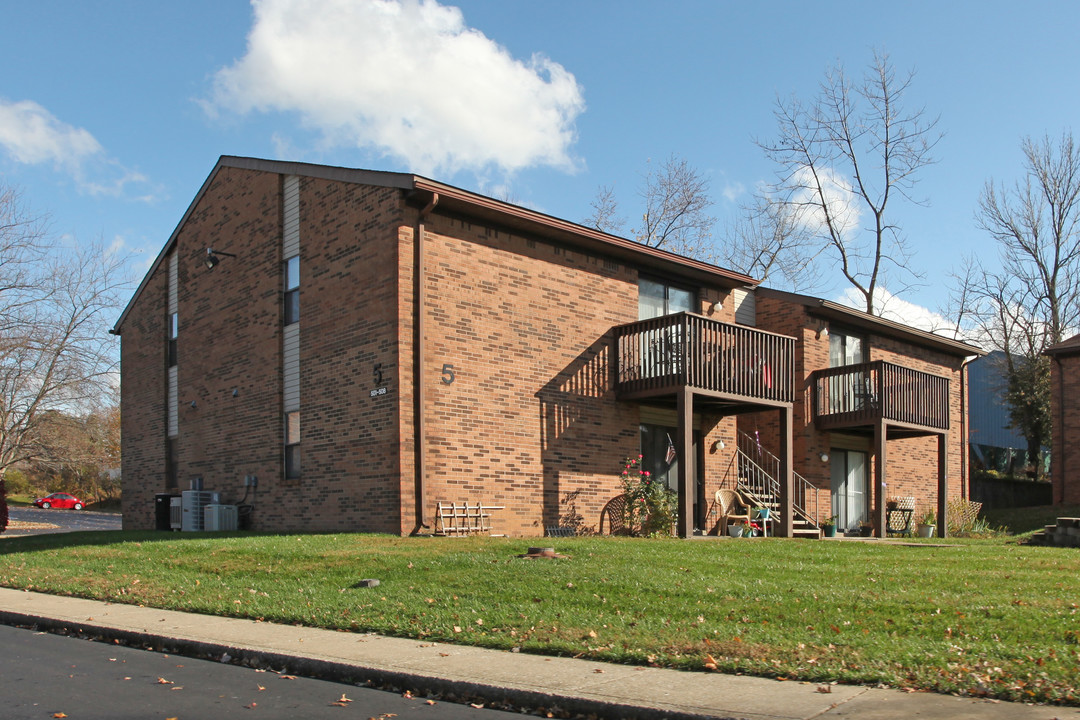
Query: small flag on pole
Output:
(671,454)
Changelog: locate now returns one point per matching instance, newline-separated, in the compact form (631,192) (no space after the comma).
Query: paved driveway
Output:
(34,521)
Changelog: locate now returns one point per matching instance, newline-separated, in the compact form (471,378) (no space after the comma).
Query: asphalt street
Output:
(52,676)
(34,521)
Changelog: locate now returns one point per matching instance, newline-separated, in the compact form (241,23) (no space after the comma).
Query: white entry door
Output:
(850,480)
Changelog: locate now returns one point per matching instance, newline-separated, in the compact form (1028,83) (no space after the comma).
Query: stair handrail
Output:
(806,493)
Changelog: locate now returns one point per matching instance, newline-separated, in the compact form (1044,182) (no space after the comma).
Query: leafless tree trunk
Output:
(842,159)
(675,217)
(55,352)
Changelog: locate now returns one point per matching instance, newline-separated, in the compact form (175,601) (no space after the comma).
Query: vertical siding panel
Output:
(291,217)
(174,402)
(291,367)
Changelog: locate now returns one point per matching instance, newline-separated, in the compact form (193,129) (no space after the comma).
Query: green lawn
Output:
(981,617)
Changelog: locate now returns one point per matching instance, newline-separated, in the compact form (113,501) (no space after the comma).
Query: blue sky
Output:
(113,113)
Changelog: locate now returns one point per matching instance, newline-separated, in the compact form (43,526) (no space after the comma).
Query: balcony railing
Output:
(691,350)
(863,394)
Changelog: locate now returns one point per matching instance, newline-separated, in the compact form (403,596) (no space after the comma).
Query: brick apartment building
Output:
(1065,419)
(369,344)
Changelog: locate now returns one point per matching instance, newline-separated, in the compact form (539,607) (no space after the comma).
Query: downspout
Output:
(965,451)
(419,395)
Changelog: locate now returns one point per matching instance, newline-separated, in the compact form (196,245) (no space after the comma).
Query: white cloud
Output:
(408,78)
(31,135)
(733,191)
(839,198)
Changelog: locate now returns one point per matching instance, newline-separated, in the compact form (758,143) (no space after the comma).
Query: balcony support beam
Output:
(687,471)
(943,484)
(787,477)
(880,461)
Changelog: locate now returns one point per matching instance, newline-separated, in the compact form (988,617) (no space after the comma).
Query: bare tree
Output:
(767,243)
(1034,299)
(675,214)
(55,352)
(849,153)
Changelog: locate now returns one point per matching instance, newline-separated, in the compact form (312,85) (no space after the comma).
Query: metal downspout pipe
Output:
(419,396)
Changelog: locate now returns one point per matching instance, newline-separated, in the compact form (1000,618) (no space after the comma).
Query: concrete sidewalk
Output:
(610,691)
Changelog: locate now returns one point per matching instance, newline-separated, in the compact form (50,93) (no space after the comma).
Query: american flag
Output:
(671,455)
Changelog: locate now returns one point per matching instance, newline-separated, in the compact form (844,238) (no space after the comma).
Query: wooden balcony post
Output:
(942,484)
(787,478)
(686,462)
(878,501)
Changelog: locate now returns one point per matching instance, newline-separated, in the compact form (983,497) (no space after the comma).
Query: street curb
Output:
(357,674)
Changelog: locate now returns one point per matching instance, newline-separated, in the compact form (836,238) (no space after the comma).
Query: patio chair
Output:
(616,518)
(729,503)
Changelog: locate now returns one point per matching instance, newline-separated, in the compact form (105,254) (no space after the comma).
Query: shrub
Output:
(650,507)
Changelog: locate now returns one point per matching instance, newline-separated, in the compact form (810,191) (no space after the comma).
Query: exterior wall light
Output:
(214,257)
(824,457)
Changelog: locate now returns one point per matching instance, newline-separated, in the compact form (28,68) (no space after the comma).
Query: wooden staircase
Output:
(758,472)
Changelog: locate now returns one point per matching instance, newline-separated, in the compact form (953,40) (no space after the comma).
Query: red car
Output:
(59,500)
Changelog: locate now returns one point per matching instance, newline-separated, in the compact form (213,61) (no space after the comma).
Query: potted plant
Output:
(866,528)
(927,524)
(828,527)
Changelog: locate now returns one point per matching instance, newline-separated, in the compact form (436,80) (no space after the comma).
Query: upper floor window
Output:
(845,348)
(174,330)
(292,290)
(656,299)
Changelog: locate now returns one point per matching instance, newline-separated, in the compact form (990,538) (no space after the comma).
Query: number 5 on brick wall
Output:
(447,373)
(378,373)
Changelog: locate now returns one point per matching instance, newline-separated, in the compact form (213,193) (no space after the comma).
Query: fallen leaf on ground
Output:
(163,681)
(59,715)
(287,677)
(824,688)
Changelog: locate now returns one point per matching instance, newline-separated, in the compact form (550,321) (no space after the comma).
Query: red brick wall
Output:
(1065,441)
(230,340)
(143,387)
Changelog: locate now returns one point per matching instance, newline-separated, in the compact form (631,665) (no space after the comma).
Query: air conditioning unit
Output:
(219,518)
(192,506)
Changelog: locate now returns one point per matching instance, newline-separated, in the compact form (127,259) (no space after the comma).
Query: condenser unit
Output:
(193,506)
(219,518)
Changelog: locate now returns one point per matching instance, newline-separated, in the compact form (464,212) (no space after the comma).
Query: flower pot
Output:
(829,530)
(926,531)
(761,513)
(865,531)
(735,530)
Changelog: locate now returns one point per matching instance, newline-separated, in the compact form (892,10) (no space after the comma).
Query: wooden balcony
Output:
(730,364)
(862,395)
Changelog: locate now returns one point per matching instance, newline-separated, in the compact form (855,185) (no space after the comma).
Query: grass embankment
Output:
(1025,520)
(988,618)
